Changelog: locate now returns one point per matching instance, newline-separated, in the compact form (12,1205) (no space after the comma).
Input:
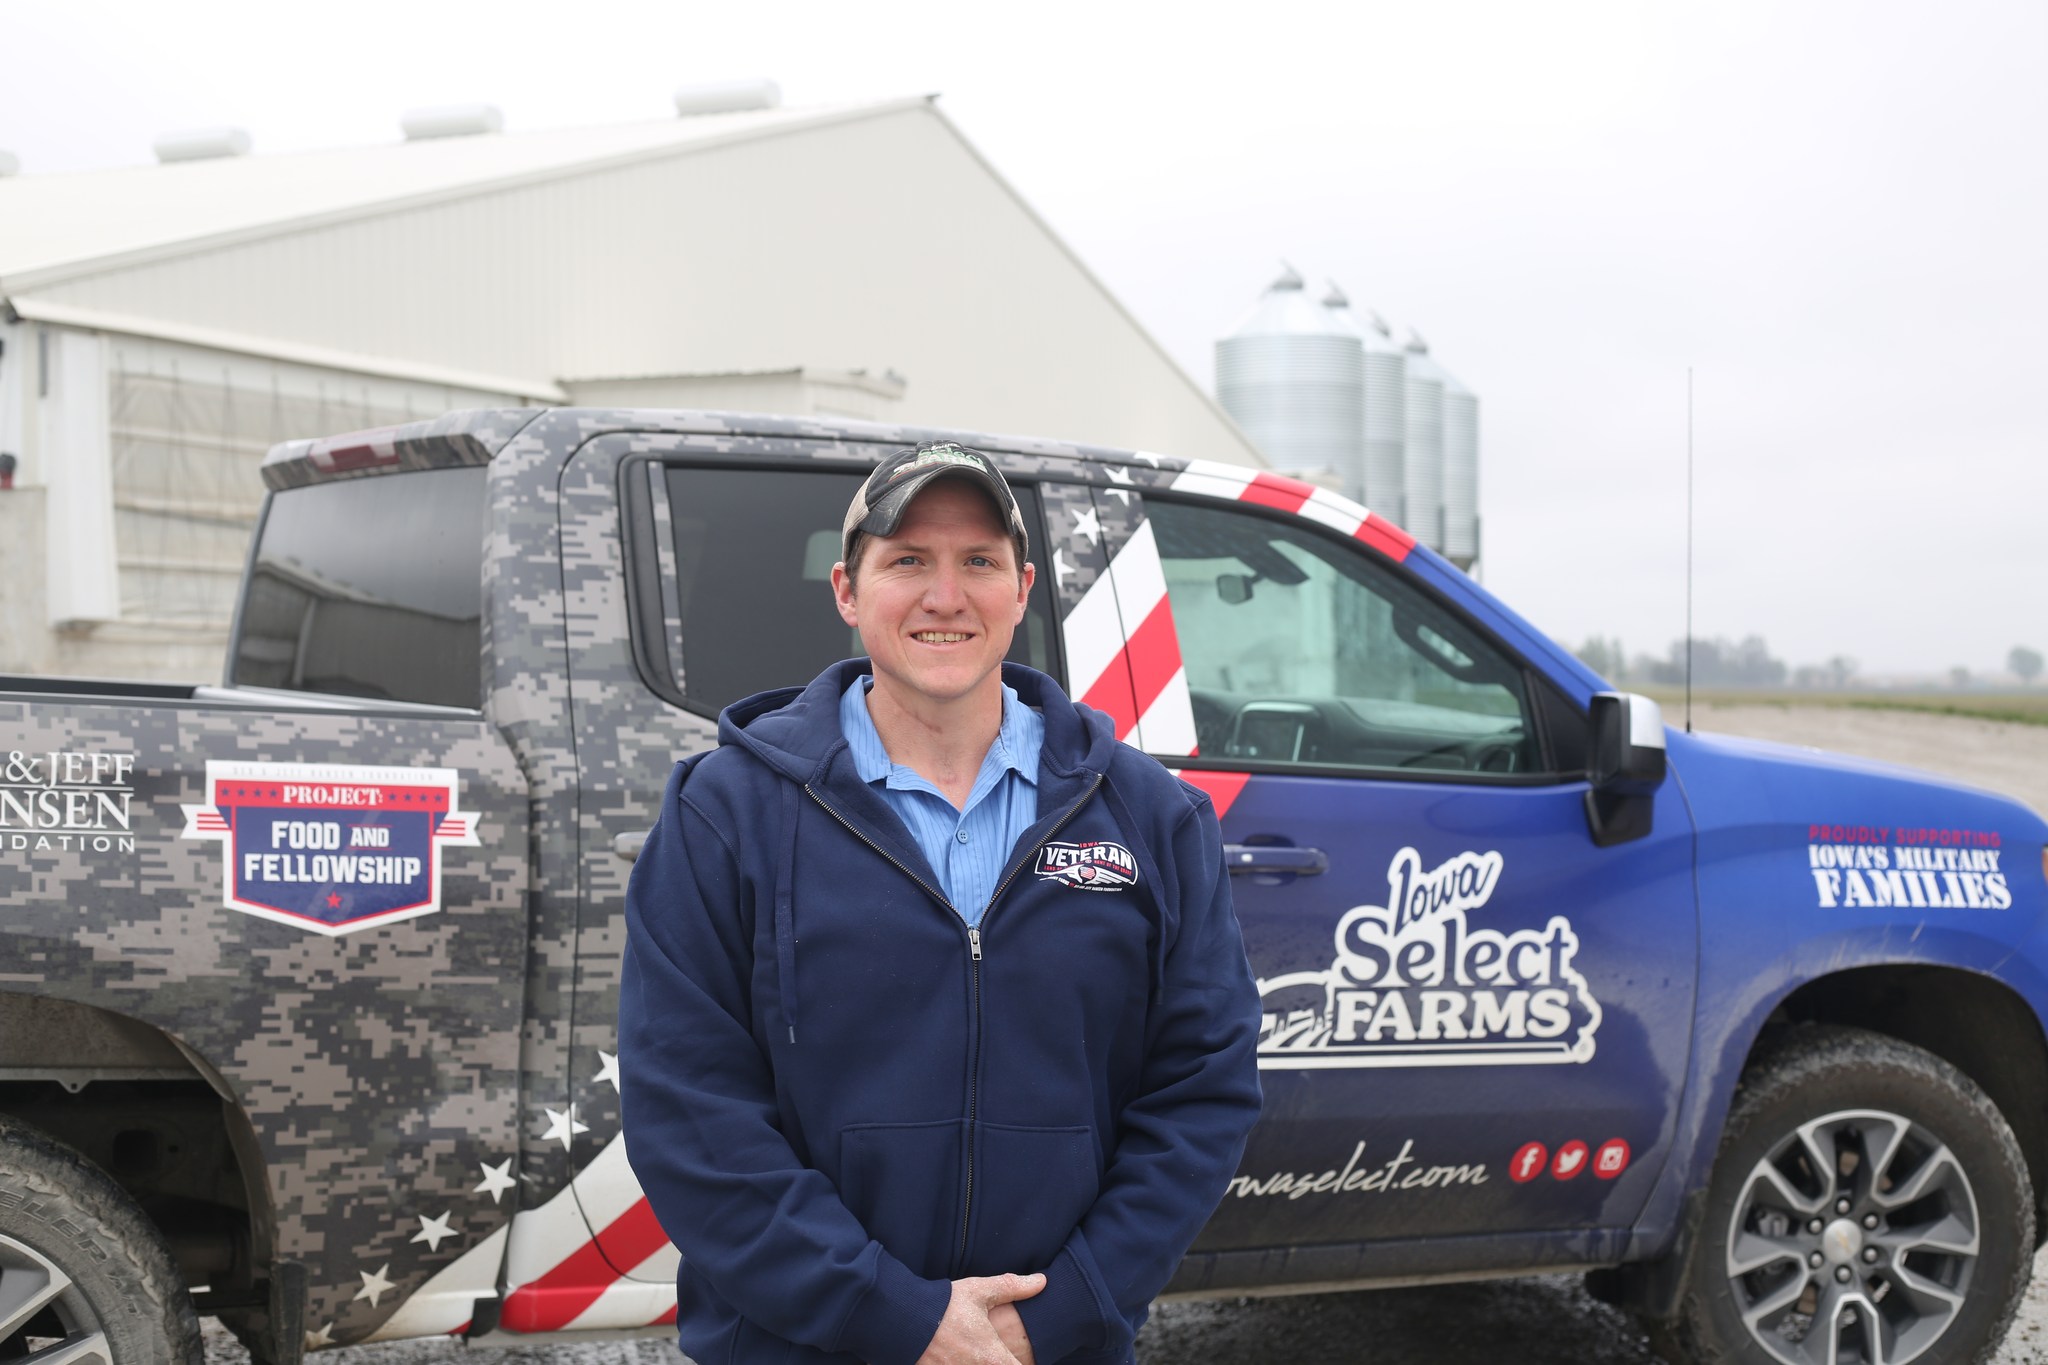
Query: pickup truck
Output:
(309,981)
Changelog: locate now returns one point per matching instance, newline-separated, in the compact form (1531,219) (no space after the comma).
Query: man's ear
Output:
(842,595)
(1024,582)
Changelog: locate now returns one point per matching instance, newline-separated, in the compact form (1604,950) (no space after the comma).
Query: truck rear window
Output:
(370,587)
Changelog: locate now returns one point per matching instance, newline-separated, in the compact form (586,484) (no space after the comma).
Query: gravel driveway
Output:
(1542,1321)
(1546,1321)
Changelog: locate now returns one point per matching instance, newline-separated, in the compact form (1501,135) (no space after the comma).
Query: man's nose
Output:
(944,591)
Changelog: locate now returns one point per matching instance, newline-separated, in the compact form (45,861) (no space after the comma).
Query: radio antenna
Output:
(1688,549)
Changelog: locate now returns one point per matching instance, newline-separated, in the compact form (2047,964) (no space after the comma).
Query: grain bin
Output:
(1292,375)
(1424,463)
(1386,423)
(1461,472)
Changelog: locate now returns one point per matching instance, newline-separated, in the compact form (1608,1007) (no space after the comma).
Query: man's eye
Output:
(981,562)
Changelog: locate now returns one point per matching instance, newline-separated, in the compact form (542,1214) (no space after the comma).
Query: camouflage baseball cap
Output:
(877,508)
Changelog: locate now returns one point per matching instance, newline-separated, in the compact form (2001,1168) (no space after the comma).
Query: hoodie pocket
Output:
(1031,1188)
(902,1181)
(752,1345)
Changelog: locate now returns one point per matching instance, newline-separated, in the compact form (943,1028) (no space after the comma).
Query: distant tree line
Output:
(1748,662)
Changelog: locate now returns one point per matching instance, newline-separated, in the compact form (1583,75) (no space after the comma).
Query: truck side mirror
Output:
(1626,766)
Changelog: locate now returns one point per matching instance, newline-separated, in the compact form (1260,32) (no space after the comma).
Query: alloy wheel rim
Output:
(1854,1241)
(44,1312)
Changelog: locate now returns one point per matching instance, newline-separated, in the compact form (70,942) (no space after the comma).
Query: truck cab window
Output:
(1302,650)
(370,587)
(754,550)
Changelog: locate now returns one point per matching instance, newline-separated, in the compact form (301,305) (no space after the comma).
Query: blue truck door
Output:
(1476,1021)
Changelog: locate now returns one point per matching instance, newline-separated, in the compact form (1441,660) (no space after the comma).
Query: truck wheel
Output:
(1869,1205)
(84,1277)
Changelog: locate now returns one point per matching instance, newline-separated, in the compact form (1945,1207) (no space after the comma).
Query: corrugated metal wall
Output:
(187,431)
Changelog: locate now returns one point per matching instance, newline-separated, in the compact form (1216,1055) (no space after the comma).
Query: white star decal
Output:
(497,1179)
(1123,493)
(1089,525)
(375,1286)
(563,1126)
(1116,474)
(432,1230)
(1060,568)
(1147,456)
(323,1337)
(610,1070)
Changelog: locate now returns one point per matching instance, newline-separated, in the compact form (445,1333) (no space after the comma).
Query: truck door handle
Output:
(628,845)
(1249,858)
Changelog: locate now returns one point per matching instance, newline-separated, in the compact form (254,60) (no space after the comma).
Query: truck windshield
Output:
(370,587)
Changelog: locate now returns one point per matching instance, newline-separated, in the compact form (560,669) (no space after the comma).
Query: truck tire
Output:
(81,1266)
(1867,1194)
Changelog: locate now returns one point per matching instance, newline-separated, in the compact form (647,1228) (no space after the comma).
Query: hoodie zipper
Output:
(974,950)
(974,966)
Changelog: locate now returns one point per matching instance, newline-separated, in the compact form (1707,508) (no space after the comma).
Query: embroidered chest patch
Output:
(1088,867)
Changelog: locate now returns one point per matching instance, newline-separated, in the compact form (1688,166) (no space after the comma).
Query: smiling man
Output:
(937,1033)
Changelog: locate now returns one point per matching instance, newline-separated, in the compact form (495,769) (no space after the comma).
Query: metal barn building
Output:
(161,326)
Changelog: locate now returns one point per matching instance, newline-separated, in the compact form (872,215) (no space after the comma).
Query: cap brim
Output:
(887,513)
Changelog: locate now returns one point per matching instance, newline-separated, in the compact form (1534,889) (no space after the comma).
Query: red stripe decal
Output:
(1154,654)
(1221,787)
(666,1319)
(1111,694)
(633,1236)
(1389,539)
(553,1301)
(1276,490)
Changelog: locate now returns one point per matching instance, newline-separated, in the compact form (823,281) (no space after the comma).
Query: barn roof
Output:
(64,226)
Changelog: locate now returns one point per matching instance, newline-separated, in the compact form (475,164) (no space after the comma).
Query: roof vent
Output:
(451,120)
(1335,298)
(10,164)
(1290,278)
(727,97)
(202,144)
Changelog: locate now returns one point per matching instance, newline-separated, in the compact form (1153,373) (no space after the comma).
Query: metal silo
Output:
(1386,424)
(1424,465)
(1291,374)
(1461,472)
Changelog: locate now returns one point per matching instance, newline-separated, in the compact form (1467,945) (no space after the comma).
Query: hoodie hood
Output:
(795,730)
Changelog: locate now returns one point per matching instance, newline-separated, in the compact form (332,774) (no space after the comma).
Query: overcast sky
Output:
(1835,213)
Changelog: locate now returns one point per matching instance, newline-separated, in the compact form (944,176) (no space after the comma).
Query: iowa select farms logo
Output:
(331,847)
(1413,983)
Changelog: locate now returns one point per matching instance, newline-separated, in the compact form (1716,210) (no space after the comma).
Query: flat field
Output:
(2009,756)
(2027,708)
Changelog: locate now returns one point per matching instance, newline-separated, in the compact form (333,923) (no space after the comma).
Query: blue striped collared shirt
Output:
(969,848)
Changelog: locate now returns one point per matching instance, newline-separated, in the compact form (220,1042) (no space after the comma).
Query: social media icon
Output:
(1528,1162)
(1612,1158)
(1571,1159)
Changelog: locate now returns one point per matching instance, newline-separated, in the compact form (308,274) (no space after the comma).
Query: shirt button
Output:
(961,835)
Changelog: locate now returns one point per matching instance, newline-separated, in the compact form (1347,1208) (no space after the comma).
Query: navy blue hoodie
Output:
(838,1099)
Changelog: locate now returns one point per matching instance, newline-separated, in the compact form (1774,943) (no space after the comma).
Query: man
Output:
(937,1033)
